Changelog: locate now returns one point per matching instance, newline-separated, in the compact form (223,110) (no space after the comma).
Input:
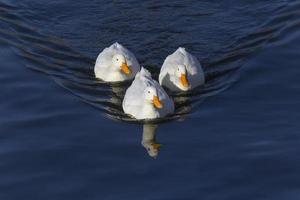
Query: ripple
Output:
(74,72)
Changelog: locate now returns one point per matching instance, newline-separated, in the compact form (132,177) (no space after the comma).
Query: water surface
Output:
(64,135)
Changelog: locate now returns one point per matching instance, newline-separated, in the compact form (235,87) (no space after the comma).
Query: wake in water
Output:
(74,72)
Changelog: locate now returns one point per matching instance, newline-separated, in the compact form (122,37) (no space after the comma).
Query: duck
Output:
(116,64)
(146,99)
(181,71)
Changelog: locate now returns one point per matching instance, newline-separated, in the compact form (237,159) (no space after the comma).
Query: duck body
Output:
(116,64)
(181,71)
(146,99)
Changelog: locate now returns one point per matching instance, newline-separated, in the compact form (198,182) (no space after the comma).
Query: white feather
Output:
(134,102)
(103,66)
(181,57)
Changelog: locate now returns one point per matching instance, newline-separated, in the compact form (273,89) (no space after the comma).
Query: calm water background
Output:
(63,133)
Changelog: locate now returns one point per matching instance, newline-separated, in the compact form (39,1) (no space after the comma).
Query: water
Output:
(63,133)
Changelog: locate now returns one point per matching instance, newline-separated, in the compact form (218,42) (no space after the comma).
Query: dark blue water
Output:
(64,135)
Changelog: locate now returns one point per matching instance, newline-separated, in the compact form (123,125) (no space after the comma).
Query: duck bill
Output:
(156,145)
(156,102)
(184,81)
(125,69)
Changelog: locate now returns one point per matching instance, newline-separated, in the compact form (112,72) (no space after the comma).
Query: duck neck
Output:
(117,74)
(149,110)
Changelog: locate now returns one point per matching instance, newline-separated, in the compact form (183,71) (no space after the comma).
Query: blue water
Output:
(64,135)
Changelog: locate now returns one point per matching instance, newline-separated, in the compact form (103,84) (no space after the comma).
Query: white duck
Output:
(181,71)
(146,99)
(115,64)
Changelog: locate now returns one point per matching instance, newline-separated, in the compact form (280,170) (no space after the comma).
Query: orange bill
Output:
(156,145)
(184,81)
(124,67)
(157,102)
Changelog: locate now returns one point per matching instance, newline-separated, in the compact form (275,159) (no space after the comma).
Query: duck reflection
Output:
(183,107)
(149,141)
(117,94)
(114,107)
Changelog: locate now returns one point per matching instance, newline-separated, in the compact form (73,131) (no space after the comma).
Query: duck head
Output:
(152,98)
(119,63)
(181,79)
